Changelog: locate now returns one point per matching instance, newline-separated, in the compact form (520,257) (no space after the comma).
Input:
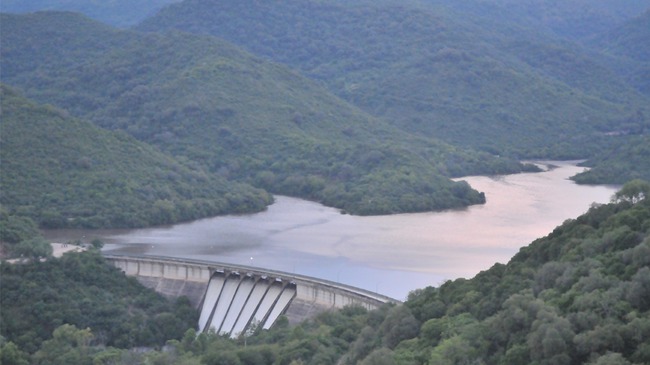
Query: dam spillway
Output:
(234,303)
(234,299)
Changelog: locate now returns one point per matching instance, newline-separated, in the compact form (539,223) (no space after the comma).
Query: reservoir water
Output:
(391,255)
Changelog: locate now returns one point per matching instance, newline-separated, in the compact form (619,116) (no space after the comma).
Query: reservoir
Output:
(392,254)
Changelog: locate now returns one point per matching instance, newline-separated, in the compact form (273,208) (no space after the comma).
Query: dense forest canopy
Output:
(42,301)
(64,172)
(628,51)
(622,163)
(628,39)
(369,106)
(580,295)
(482,76)
(479,78)
(204,101)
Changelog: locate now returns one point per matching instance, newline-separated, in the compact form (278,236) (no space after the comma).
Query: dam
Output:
(234,299)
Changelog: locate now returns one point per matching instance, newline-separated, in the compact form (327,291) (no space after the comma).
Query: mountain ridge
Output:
(119,13)
(203,100)
(430,69)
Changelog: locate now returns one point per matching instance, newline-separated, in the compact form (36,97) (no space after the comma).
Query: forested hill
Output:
(203,100)
(625,162)
(580,295)
(629,39)
(436,68)
(69,310)
(64,172)
(629,49)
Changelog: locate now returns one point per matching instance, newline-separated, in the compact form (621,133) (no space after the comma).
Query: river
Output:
(392,254)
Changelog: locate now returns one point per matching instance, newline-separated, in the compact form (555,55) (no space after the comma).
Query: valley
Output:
(371,143)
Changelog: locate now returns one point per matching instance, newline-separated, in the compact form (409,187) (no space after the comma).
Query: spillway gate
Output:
(236,303)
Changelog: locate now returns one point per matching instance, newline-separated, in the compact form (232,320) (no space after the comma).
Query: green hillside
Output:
(629,39)
(580,295)
(432,68)
(74,295)
(625,162)
(629,50)
(577,296)
(64,172)
(207,102)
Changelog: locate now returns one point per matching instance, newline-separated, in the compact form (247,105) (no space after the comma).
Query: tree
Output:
(639,293)
(69,345)
(97,243)
(364,343)
(611,358)
(382,356)
(399,325)
(14,229)
(633,191)
(455,350)
(221,358)
(34,248)
(10,354)
(550,339)
(108,356)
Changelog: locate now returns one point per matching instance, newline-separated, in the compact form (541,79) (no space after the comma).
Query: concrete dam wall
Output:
(234,299)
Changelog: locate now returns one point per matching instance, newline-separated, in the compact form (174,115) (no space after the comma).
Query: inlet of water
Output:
(388,254)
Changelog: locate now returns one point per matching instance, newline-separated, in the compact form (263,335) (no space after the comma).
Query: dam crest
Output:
(236,299)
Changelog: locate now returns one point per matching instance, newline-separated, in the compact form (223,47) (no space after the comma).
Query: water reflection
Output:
(389,254)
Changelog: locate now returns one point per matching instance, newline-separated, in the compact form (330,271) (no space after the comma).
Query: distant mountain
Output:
(208,102)
(64,172)
(433,68)
(120,13)
(574,19)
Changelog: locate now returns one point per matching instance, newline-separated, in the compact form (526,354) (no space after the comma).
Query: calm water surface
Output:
(388,254)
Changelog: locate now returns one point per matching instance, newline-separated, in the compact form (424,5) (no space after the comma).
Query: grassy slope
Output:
(432,69)
(62,171)
(208,102)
